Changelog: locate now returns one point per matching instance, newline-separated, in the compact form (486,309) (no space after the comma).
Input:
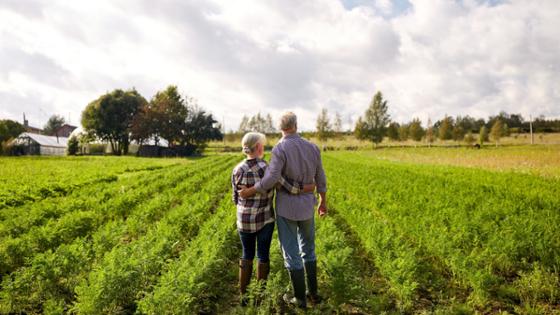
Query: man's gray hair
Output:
(288,121)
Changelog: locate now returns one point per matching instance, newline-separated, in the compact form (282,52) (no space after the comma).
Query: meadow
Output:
(410,231)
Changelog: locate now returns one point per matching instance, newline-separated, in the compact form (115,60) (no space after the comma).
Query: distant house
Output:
(31,129)
(64,131)
(35,144)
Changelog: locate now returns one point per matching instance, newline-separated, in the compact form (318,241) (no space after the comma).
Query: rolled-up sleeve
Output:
(320,177)
(234,194)
(273,172)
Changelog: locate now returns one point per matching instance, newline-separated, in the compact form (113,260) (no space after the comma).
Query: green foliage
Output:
(374,124)
(483,135)
(52,125)
(393,131)
(73,146)
(9,129)
(26,289)
(497,131)
(257,123)
(323,125)
(458,133)
(445,130)
(430,134)
(449,231)
(415,130)
(403,132)
(110,117)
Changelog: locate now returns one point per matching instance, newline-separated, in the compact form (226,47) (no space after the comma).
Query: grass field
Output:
(413,231)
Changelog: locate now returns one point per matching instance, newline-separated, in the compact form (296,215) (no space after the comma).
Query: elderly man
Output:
(300,160)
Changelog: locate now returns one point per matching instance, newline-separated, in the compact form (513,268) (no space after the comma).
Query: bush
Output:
(73,146)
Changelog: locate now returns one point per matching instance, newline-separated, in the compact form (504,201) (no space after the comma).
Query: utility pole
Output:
(531,128)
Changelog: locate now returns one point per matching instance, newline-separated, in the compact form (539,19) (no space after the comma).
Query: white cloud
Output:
(240,57)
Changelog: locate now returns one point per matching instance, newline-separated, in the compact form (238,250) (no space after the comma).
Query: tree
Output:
(337,123)
(10,129)
(403,132)
(269,124)
(376,119)
(323,125)
(469,139)
(73,146)
(244,125)
(360,130)
(393,131)
(497,131)
(482,135)
(415,130)
(458,133)
(430,133)
(445,129)
(52,125)
(200,128)
(110,117)
(170,113)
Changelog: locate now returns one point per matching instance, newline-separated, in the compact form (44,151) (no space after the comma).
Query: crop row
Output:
(194,283)
(27,179)
(18,220)
(130,270)
(15,250)
(49,281)
(431,230)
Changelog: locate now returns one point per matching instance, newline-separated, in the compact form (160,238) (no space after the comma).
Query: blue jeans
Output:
(297,239)
(262,238)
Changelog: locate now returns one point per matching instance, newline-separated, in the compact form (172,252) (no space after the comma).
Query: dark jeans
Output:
(262,238)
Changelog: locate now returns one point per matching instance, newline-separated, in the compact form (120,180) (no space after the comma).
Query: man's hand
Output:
(247,192)
(309,188)
(322,210)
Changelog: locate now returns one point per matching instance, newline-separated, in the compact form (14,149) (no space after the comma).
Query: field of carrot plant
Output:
(124,235)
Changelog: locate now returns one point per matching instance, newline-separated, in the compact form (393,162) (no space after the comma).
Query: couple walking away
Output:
(295,171)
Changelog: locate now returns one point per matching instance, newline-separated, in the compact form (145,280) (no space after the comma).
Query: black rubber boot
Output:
(311,272)
(298,285)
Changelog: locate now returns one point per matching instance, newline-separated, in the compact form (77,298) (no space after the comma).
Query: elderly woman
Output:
(255,214)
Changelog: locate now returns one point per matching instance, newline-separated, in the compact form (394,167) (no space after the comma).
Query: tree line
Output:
(376,124)
(121,116)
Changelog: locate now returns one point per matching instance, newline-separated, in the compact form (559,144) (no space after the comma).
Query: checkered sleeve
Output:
(292,186)
(235,177)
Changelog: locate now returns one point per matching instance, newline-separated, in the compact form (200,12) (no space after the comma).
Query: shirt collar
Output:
(292,135)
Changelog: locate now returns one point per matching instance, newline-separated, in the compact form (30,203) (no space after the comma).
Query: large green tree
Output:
(9,129)
(110,117)
(376,119)
(52,125)
(200,128)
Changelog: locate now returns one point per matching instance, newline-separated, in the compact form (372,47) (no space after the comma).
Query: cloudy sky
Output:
(428,57)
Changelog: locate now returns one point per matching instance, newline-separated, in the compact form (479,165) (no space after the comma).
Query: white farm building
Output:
(34,144)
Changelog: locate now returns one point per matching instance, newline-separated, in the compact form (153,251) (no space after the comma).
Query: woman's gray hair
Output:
(250,140)
(288,121)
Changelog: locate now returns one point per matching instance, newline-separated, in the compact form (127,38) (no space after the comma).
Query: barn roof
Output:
(48,141)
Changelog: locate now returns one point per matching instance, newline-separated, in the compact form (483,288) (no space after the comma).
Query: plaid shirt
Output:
(255,212)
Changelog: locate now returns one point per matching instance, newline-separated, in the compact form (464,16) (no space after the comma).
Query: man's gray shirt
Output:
(300,160)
